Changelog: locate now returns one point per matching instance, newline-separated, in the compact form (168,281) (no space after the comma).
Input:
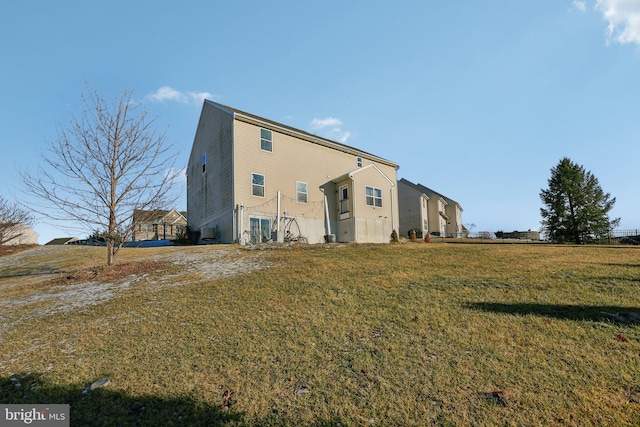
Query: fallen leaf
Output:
(227,402)
(622,338)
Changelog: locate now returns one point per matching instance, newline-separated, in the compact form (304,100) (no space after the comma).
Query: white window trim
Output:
(263,139)
(373,197)
(306,193)
(264,185)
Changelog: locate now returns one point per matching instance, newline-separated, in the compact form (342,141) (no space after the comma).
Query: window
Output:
(204,162)
(359,161)
(344,202)
(266,140)
(374,196)
(257,185)
(301,192)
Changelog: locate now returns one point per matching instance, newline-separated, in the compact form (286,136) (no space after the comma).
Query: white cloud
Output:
(344,136)
(624,19)
(167,93)
(580,5)
(331,128)
(324,123)
(200,96)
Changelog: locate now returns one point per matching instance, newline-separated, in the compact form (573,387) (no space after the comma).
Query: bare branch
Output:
(107,162)
(13,220)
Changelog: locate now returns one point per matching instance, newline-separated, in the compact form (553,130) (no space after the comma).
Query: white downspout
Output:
(393,225)
(240,225)
(278,213)
(355,217)
(327,223)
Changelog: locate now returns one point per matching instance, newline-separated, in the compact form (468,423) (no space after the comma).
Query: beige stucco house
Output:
(250,180)
(18,234)
(424,209)
(158,224)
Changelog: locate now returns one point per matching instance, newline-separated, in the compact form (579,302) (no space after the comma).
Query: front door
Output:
(343,193)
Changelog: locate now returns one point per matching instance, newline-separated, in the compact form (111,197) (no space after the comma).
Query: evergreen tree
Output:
(576,208)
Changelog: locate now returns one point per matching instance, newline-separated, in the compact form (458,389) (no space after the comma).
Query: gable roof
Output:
(430,193)
(355,171)
(288,130)
(61,241)
(156,216)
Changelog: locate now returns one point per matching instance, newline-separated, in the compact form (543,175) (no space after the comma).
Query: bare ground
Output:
(46,280)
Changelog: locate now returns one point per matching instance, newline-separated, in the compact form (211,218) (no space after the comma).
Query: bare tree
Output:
(102,166)
(13,221)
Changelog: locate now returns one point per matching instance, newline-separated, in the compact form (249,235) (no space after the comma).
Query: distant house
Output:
(424,209)
(250,180)
(158,224)
(62,241)
(18,234)
(519,235)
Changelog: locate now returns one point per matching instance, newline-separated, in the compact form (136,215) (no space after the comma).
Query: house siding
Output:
(222,196)
(296,160)
(210,193)
(410,200)
(444,215)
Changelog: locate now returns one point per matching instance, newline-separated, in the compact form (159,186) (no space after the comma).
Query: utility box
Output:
(208,233)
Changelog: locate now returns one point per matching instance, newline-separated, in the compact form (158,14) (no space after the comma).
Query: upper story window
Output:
(373,196)
(359,161)
(266,140)
(257,185)
(301,192)
(204,162)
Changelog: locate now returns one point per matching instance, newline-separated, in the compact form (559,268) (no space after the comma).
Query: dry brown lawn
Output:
(405,334)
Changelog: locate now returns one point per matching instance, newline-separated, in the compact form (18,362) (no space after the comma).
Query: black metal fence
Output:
(614,237)
(619,237)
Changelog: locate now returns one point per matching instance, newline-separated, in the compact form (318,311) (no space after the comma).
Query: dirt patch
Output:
(114,272)
(6,250)
(62,292)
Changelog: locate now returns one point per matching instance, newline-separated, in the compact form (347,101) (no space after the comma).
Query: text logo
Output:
(34,415)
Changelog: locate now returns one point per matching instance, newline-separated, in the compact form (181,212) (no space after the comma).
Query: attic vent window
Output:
(266,140)
(359,161)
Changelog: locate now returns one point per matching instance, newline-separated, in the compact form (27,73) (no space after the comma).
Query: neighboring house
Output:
(250,180)
(423,209)
(414,208)
(18,234)
(62,241)
(519,235)
(158,224)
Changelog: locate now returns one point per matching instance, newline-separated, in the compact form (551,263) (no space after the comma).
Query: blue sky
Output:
(476,100)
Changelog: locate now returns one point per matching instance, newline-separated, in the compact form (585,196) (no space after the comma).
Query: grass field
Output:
(403,334)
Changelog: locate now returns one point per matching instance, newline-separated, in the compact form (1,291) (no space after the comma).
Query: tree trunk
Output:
(111,253)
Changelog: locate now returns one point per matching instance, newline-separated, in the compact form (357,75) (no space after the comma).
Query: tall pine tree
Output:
(576,208)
